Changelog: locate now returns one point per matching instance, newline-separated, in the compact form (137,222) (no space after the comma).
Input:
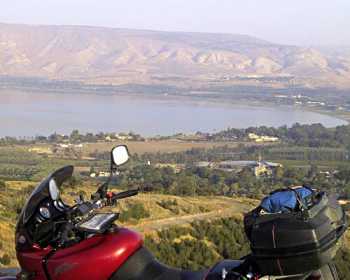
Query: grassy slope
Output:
(188,209)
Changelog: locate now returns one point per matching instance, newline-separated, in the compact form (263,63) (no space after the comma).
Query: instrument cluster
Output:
(50,209)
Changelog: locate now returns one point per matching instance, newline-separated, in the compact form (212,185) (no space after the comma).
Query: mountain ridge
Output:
(99,55)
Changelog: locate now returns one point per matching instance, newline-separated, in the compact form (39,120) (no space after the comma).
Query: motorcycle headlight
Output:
(59,205)
(53,190)
(45,212)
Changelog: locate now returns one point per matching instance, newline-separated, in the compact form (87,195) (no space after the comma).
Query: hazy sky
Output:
(302,22)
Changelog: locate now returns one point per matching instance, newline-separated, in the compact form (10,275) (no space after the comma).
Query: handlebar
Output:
(109,199)
(78,212)
(125,194)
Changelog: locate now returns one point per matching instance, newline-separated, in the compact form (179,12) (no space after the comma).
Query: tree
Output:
(186,185)
(2,185)
(73,182)
(202,172)
(216,179)
(75,136)
(347,191)
(279,173)
(313,171)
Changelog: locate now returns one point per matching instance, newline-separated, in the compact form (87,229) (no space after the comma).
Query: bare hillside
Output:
(121,56)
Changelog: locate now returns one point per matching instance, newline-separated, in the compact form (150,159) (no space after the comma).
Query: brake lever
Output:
(110,199)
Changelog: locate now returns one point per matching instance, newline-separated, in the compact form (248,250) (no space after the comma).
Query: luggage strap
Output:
(303,208)
(300,201)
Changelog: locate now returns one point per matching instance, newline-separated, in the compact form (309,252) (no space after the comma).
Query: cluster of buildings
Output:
(41,150)
(122,137)
(259,168)
(302,100)
(69,145)
(262,138)
(176,167)
(56,149)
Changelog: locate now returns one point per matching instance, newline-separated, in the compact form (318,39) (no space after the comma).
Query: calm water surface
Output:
(29,114)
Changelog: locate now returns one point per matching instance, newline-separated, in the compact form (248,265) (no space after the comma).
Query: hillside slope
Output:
(120,56)
(157,212)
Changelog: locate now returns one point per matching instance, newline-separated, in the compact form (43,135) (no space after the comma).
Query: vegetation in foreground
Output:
(193,244)
(144,213)
(203,243)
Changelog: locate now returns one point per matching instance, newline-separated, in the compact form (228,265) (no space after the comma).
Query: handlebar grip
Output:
(125,194)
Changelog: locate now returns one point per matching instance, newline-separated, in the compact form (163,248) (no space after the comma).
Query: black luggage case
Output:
(299,241)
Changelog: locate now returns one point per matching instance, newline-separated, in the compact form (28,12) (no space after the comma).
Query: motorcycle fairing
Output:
(95,258)
(41,192)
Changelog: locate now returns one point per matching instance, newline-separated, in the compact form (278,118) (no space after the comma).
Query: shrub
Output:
(170,205)
(200,245)
(202,209)
(136,211)
(73,182)
(167,204)
(342,261)
(16,203)
(5,260)
(2,185)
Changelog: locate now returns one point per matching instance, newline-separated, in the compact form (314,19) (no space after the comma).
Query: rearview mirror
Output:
(120,155)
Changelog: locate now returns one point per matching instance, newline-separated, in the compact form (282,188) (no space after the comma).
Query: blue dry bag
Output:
(286,200)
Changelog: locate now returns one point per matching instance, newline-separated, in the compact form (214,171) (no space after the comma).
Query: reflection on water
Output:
(23,114)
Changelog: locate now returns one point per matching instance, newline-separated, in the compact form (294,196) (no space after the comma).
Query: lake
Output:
(30,114)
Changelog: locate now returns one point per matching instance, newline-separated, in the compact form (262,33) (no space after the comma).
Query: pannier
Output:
(297,238)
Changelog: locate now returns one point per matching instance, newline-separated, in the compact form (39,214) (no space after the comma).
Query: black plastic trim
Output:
(143,266)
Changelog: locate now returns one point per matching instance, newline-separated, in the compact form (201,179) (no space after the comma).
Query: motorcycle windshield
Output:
(41,192)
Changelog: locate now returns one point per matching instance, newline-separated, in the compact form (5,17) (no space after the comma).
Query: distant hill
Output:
(121,56)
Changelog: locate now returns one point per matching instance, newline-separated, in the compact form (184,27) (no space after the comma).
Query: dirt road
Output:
(237,209)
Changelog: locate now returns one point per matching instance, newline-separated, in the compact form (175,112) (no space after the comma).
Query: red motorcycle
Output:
(57,242)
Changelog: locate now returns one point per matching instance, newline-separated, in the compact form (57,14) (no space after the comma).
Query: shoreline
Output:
(183,101)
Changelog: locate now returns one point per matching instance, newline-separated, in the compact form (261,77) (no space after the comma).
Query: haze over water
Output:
(24,114)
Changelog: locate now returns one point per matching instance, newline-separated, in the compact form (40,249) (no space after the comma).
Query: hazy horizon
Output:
(313,22)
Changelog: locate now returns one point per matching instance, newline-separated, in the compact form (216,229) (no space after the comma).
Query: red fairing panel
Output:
(31,261)
(95,258)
